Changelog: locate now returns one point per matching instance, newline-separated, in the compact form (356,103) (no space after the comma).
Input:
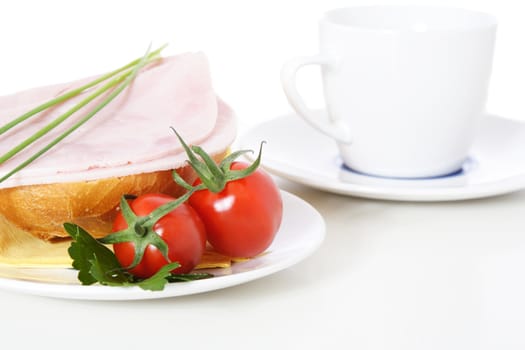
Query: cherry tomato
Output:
(181,229)
(242,219)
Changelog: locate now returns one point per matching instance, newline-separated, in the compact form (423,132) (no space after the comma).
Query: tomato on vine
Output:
(235,206)
(155,229)
(240,204)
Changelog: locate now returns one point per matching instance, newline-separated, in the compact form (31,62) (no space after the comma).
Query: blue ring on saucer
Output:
(466,167)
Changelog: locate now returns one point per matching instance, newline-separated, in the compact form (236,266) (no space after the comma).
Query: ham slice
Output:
(131,135)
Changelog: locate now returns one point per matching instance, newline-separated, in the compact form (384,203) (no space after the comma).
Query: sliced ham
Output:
(131,135)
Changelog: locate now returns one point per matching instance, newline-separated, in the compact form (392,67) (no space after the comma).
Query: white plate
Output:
(301,233)
(299,153)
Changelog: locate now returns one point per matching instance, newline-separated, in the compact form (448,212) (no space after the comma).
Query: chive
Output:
(118,80)
(73,93)
(60,119)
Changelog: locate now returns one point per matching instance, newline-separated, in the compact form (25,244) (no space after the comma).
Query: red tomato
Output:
(181,229)
(242,219)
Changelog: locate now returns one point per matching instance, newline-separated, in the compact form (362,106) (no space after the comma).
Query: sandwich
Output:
(127,148)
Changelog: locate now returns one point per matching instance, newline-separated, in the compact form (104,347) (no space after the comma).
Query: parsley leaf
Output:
(97,263)
(85,251)
(158,280)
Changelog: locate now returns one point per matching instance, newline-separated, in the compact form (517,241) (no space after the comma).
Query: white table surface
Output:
(390,275)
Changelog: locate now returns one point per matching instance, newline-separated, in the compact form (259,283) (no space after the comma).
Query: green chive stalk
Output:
(118,83)
(74,93)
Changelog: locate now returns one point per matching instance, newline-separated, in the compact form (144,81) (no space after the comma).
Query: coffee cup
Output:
(404,86)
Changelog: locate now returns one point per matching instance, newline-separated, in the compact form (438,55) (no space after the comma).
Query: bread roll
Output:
(43,209)
(32,217)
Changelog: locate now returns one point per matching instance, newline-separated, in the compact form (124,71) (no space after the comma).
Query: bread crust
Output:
(43,209)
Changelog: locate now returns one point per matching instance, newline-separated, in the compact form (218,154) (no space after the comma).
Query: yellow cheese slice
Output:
(18,248)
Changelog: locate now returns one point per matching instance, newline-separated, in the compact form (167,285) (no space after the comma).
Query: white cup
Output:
(404,86)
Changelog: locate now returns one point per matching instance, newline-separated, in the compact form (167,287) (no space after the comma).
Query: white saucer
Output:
(297,152)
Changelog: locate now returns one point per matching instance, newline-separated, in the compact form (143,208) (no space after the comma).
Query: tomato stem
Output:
(214,177)
(156,214)
(140,228)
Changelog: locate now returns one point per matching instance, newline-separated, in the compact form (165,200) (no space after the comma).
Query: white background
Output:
(466,304)
(246,42)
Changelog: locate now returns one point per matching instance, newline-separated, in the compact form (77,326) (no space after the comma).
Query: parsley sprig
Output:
(97,263)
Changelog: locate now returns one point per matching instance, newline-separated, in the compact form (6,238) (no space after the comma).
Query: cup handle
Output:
(332,128)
